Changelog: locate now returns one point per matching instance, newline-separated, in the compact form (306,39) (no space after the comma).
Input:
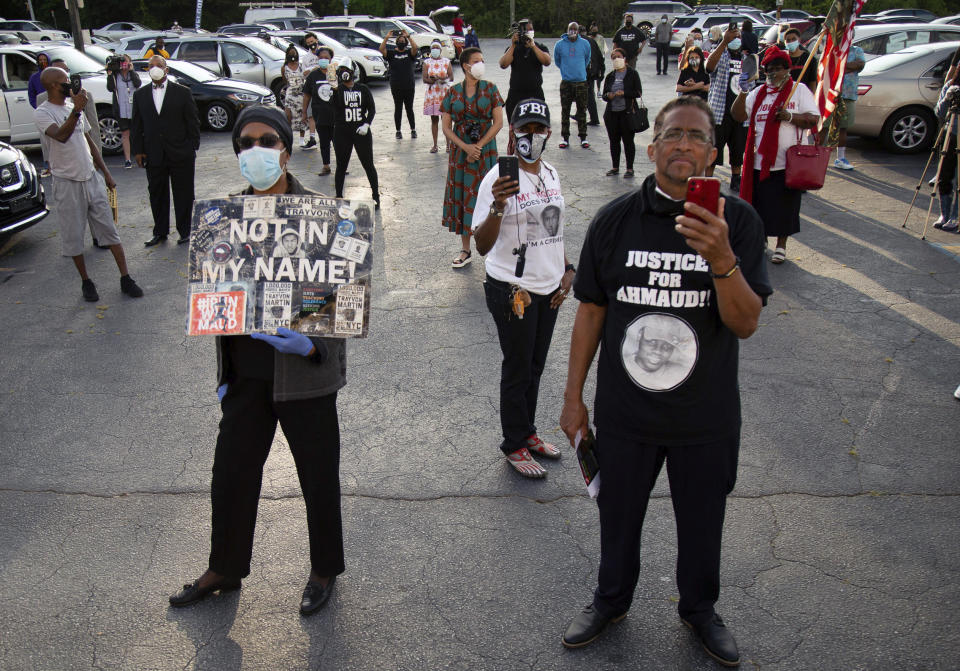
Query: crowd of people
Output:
(667,372)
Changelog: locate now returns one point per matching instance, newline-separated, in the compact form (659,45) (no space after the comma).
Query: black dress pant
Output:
(701,477)
(524,343)
(618,130)
(324,138)
(663,58)
(160,180)
(403,98)
(592,102)
(249,422)
(515,95)
(345,140)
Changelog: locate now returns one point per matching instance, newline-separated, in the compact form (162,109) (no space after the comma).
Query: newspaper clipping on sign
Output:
(261,262)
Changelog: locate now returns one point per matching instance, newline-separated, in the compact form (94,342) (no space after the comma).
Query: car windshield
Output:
(193,71)
(77,62)
(268,51)
(684,21)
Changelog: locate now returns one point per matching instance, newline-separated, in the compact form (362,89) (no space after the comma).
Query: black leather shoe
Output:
(193,592)
(717,640)
(315,595)
(184,239)
(585,627)
(155,240)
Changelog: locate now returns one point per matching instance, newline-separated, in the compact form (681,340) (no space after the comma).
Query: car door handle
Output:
(21,99)
(934,86)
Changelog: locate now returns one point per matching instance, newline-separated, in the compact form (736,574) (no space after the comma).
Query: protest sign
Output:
(261,262)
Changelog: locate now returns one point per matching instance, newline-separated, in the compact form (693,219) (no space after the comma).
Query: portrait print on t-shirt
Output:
(659,351)
(547,226)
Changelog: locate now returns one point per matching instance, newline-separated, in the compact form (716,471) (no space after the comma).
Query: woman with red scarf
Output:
(775,126)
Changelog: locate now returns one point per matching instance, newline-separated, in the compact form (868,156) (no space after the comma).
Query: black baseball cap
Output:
(530,110)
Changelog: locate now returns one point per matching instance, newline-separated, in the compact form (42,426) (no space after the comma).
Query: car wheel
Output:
(219,117)
(44,39)
(908,130)
(109,133)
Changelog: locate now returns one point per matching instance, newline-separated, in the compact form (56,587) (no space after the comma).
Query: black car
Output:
(219,99)
(22,201)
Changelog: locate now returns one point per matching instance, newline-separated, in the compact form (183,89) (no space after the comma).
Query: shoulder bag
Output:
(806,165)
(637,118)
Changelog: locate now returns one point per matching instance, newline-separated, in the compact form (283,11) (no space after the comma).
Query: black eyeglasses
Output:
(267,140)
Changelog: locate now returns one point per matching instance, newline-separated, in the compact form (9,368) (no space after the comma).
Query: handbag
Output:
(806,165)
(637,118)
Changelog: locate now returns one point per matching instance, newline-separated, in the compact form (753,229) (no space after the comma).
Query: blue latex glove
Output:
(221,392)
(744,82)
(287,341)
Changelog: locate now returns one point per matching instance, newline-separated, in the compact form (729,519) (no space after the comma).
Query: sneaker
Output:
(89,290)
(45,172)
(399,135)
(939,223)
(524,464)
(564,144)
(129,287)
(951,227)
(536,444)
(310,144)
(127,165)
(584,143)
(735,184)
(843,164)
(413,134)
(956,394)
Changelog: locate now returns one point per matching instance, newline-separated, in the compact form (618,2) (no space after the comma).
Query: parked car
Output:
(897,94)
(913,15)
(951,20)
(425,24)
(351,37)
(382,27)
(219,99)
(22,200)
(34,30)
(247,58)
(121,29)
(881,39)
(368,62)
(247,28)
(809,29)
(786,15)
(137,45)
(257,14)
(10,38)
(647,14)
(290,22)
(682,25)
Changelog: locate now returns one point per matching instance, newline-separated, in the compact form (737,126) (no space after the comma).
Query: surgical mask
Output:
(663,20)
(157,73)
(478,69)
(322,63)
(792,46)
(434,53)
(694,62)
(530,34)
(261,167)
(530,146)
(698,43)
(734,45)
(619,63)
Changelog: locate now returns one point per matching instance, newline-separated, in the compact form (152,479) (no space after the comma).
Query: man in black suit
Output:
(165,135)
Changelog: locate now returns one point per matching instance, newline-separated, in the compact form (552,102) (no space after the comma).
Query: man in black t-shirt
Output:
(666,297)
(631,40)
(799,57)
(402,59)
(526,60)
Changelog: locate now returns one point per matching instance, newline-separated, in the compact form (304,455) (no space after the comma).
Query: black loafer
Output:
(184,239)
(585,627)
(717,640)
(193,592)
(155,240)
(315,595)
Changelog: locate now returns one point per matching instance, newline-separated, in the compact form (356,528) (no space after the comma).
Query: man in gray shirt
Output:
(661,40)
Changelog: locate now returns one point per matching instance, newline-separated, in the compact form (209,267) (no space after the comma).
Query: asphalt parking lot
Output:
(841,541)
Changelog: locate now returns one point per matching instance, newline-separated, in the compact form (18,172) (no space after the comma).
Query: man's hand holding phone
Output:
(704,228)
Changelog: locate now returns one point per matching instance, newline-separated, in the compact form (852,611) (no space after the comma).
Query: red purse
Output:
(806,165)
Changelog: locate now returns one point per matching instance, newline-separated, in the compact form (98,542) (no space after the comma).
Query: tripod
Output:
(941,146)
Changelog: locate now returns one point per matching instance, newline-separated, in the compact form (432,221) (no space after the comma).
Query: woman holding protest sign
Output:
(263,379)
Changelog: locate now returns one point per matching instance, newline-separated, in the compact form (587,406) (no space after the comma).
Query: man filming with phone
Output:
(526,60)
(666,289)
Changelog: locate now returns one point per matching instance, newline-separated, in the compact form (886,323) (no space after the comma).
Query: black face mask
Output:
(293,58)
(401,45)
(65,89)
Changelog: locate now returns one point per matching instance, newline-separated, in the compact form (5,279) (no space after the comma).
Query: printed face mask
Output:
(478,69)
(619,63)
(695,62)
(530,146)
(261,167)
(157,73)
(434,53)
(572,34)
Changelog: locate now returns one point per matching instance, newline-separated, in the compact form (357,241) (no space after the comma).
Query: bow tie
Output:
(159,86)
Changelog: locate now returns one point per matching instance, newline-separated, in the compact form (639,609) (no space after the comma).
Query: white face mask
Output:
(663,20)
(694,62)
(619,63)
(434,53)
(698,43)
(792,46)
(572,34)
(157,73)
(478,69)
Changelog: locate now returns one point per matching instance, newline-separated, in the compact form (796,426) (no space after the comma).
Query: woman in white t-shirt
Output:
(775,125)
(518,226)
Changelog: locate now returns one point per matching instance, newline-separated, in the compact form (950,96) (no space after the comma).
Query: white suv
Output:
(382,27)
(35,31)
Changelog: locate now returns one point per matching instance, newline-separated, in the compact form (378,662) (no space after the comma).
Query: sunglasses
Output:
(267,140)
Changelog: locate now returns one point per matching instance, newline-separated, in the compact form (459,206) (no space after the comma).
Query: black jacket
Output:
(631,86)
(596,67)
(112,87)
(173,136)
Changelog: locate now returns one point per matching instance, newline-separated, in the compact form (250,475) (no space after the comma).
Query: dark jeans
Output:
(592,101)
(663,57)
(324,138)
(701,477)
(345,140)
(573,92)
(948,169)
(163,178)
(403,98)
(618,130)
(524,343)
(249,422)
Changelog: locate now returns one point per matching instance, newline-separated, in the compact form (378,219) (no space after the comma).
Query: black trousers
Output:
(592,102)
(160,180)
(701,477)
(524,343)
(403,98)
(949,169)
(249,422)
(515,95)
(663,57)
(324,138)
(618,130)
(345,140)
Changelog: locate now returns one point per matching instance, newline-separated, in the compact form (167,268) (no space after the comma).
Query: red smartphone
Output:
(705,192)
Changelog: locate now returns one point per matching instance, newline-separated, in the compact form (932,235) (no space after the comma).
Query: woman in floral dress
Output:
(294,78)
(472,116)
(437,75)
